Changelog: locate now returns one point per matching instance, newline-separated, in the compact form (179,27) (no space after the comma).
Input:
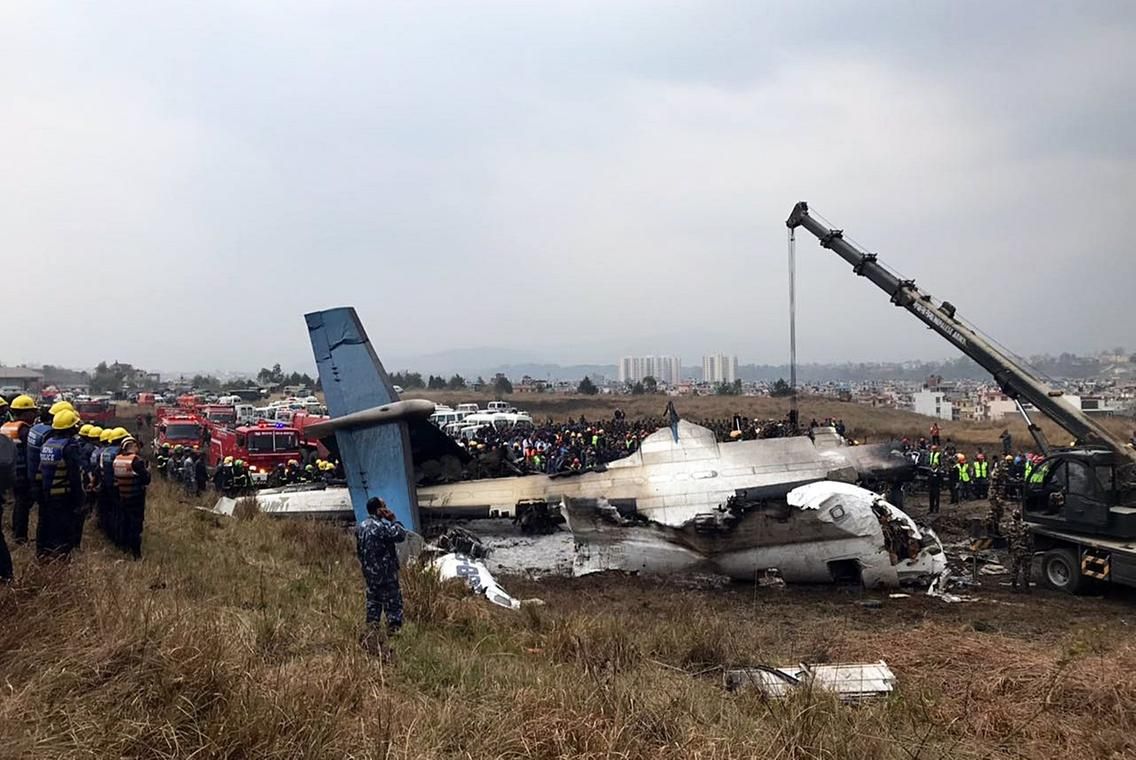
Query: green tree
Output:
(456,383)
(650,384)
(587,387)
(501,385)
(725,389)
(637,389)
(436,383)
(780,388)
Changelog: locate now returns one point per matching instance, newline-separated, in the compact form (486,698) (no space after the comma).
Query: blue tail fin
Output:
(376,458)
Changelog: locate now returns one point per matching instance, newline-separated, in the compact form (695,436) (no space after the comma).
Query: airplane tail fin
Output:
(375,447)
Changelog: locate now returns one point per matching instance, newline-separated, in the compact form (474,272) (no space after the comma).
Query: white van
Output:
(470,408)
(246,414)
(498,406)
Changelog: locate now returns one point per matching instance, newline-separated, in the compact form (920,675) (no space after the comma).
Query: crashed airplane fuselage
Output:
(683,502)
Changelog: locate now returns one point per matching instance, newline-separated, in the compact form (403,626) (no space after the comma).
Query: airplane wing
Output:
(376,458)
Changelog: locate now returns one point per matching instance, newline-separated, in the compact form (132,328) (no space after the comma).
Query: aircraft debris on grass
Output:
(681,502)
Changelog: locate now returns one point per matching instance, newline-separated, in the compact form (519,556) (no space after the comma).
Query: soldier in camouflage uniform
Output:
(1021,550)
(375,544)
(999,477)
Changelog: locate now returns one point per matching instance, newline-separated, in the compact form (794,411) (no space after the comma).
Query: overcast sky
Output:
(573,181)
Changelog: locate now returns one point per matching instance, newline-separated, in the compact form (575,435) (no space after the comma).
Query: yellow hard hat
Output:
(59,406)
(3,401)
(118,434)
(85,430)
(65,419)
(23,402)
(104,436)
(95,432)
(228,460)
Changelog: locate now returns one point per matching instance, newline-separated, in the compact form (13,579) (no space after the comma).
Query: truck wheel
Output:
(1060,570)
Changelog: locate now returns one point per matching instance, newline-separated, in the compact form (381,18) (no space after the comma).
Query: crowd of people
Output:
(68,470)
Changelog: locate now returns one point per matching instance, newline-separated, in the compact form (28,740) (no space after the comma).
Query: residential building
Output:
(719,368)
(932,404)
(666,370)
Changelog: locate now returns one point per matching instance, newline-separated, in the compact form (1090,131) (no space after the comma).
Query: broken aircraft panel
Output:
(821,532)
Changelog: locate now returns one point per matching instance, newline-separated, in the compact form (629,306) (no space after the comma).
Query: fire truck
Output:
(262,446)
(310,445)
(98,412)
(218,415)
(178,429)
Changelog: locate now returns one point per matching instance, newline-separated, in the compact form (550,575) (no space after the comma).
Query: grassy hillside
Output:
(241,640)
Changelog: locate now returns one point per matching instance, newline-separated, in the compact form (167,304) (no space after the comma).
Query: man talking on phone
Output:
(375,539)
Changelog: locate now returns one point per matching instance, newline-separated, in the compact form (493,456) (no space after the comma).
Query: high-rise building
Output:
(665,369)
(719,368)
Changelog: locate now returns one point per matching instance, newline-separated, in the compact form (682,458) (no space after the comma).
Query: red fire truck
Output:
(179,430)
(310,445)
(97,412)
(262,446)
(218,415)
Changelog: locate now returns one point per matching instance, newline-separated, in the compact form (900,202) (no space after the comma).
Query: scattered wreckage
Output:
(849,682)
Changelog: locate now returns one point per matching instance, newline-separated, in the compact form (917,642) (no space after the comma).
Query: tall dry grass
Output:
(240,639)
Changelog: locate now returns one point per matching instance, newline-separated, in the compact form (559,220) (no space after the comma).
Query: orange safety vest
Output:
(12,429)
(127,480)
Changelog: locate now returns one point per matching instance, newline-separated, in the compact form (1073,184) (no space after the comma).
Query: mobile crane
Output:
(1080,503)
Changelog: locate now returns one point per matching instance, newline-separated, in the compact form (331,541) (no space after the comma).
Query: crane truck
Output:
(1080,504)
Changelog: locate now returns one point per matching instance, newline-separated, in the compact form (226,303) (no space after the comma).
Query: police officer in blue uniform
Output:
(37,436)
(375,540)
(60,466)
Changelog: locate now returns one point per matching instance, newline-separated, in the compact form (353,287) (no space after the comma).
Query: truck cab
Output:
(219,415)
(179,431)
(1083,490)
(98,412)
(261,446)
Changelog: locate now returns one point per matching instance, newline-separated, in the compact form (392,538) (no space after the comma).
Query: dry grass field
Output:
(240,639)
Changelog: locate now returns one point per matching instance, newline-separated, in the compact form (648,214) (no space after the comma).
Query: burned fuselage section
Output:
(817,533)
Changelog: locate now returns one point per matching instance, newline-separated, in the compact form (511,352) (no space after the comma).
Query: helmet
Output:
(104,436)
(59,406)
(23,402)
(1008,458)
(118,434)
(85,430)
(95,433)
(128,439)
(64,419)
(293,463)
(228,460)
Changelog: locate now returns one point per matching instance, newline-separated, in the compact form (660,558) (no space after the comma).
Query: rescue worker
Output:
(999,479)
(981,472)
(7,476)
(23,413)
(964,479)
(375,539)
(200,474)
(292,472)
(241,481)
(91,475)
(953,478)
(90,497)
(187,476)
(108,493)
(37,436)
(131,477)
(1020,545)
(934,479)
(224,475)
(60,467)
(162,459)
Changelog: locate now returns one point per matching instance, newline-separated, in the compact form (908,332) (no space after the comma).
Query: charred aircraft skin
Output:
(819,533)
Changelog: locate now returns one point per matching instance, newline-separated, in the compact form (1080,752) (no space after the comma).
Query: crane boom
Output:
(1014,379)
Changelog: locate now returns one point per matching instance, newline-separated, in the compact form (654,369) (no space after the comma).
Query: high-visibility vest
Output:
(14,431)
(125,478)
(1038,475)
(964,473)
(980,469)
(1029,469)
(935,458)
(54,468)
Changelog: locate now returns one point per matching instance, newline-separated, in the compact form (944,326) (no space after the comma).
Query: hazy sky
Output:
(182,181)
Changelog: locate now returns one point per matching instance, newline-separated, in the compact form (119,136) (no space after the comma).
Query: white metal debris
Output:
(850,682)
